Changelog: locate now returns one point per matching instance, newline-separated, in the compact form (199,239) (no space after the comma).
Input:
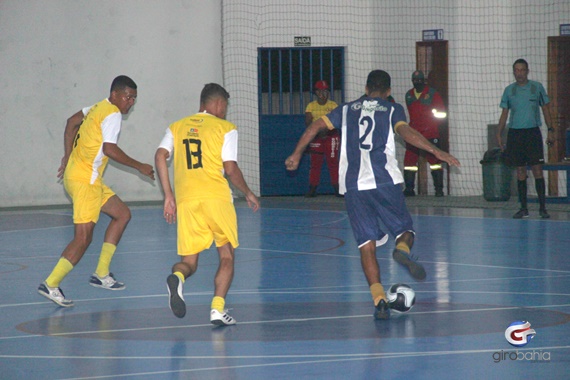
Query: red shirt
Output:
(421,111)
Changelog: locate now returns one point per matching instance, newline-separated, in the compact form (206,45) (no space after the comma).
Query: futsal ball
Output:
(401,297)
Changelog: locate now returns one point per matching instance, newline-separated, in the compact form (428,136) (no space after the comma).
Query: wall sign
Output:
(432,35)
(302,41)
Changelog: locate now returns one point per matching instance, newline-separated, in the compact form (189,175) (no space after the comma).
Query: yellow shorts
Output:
(201,222)
(87,199)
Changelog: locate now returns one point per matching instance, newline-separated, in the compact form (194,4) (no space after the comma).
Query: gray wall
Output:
(57,56)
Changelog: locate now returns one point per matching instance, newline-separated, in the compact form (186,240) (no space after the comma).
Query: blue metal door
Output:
(286,77)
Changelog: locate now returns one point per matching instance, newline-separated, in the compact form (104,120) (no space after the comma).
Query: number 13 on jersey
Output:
(193,153)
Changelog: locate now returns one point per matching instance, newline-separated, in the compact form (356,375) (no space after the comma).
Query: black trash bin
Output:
(496,176)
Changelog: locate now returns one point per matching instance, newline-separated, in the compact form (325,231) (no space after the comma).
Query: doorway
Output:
(559,94)
(286,77)
(432,59)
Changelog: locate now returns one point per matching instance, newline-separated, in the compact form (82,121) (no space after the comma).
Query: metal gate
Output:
(286,77)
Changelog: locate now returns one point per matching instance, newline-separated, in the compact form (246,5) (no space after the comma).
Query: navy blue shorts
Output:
(371,210)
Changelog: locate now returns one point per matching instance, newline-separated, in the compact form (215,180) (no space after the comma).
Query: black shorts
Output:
(524,147)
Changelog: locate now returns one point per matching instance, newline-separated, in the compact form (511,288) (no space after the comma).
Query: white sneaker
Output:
(107,282)
(55,295)
(219,319)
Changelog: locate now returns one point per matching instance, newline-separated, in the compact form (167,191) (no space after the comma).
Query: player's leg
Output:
(223,222)
(396,217)
(193,237)
(371,271)
(222,282)
(70,256)
(175,283)
(86,201)
(368,234)
(120,215)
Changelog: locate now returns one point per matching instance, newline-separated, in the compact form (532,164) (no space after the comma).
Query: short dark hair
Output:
(121,82)
(520,60)
(211,91)
(378,80)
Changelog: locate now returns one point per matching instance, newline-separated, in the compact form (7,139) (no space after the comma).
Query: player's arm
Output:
(501,127)
(235,176)
(160,162)
(232,170)
(308,118)
(71,129)
(117,154)
(416,139)
(292,162)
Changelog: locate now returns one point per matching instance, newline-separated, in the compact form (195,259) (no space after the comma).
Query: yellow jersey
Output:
(199,145)
(318,110)
(101,124)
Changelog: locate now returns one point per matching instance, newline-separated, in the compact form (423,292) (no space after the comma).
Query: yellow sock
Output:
(180,276)
(403,247)
(61,269)
(377,291)
(218,303)
(107,252)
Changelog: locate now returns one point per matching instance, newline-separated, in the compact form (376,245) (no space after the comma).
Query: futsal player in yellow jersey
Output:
(204,148)
(90,139)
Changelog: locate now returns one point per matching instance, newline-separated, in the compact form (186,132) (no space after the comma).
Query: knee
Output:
(124,216)
(185,268)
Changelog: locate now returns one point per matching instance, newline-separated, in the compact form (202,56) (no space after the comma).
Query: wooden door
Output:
(559,94)
(432,58)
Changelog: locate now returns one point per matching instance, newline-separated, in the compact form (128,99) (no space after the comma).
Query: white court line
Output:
(310,290)
(340,358)
(288,356)
(285,320)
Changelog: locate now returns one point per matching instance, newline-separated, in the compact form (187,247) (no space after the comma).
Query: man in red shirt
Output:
(426,108)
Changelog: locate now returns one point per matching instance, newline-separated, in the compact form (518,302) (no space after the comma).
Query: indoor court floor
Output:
(303,307)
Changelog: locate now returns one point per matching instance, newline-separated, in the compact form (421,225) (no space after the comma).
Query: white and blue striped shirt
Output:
(368,149)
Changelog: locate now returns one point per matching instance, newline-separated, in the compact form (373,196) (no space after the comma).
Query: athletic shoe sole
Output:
(176,301)
(416,269)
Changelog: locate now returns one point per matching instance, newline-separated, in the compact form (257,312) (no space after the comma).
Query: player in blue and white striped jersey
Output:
(370,179)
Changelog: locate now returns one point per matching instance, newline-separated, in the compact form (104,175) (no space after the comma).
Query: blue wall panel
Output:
(278,136)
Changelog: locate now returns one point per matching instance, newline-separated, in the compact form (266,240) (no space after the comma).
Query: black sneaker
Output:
(382,311)
(544,214)
(411,262)
(175,297)
(409,193)
(522,213)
